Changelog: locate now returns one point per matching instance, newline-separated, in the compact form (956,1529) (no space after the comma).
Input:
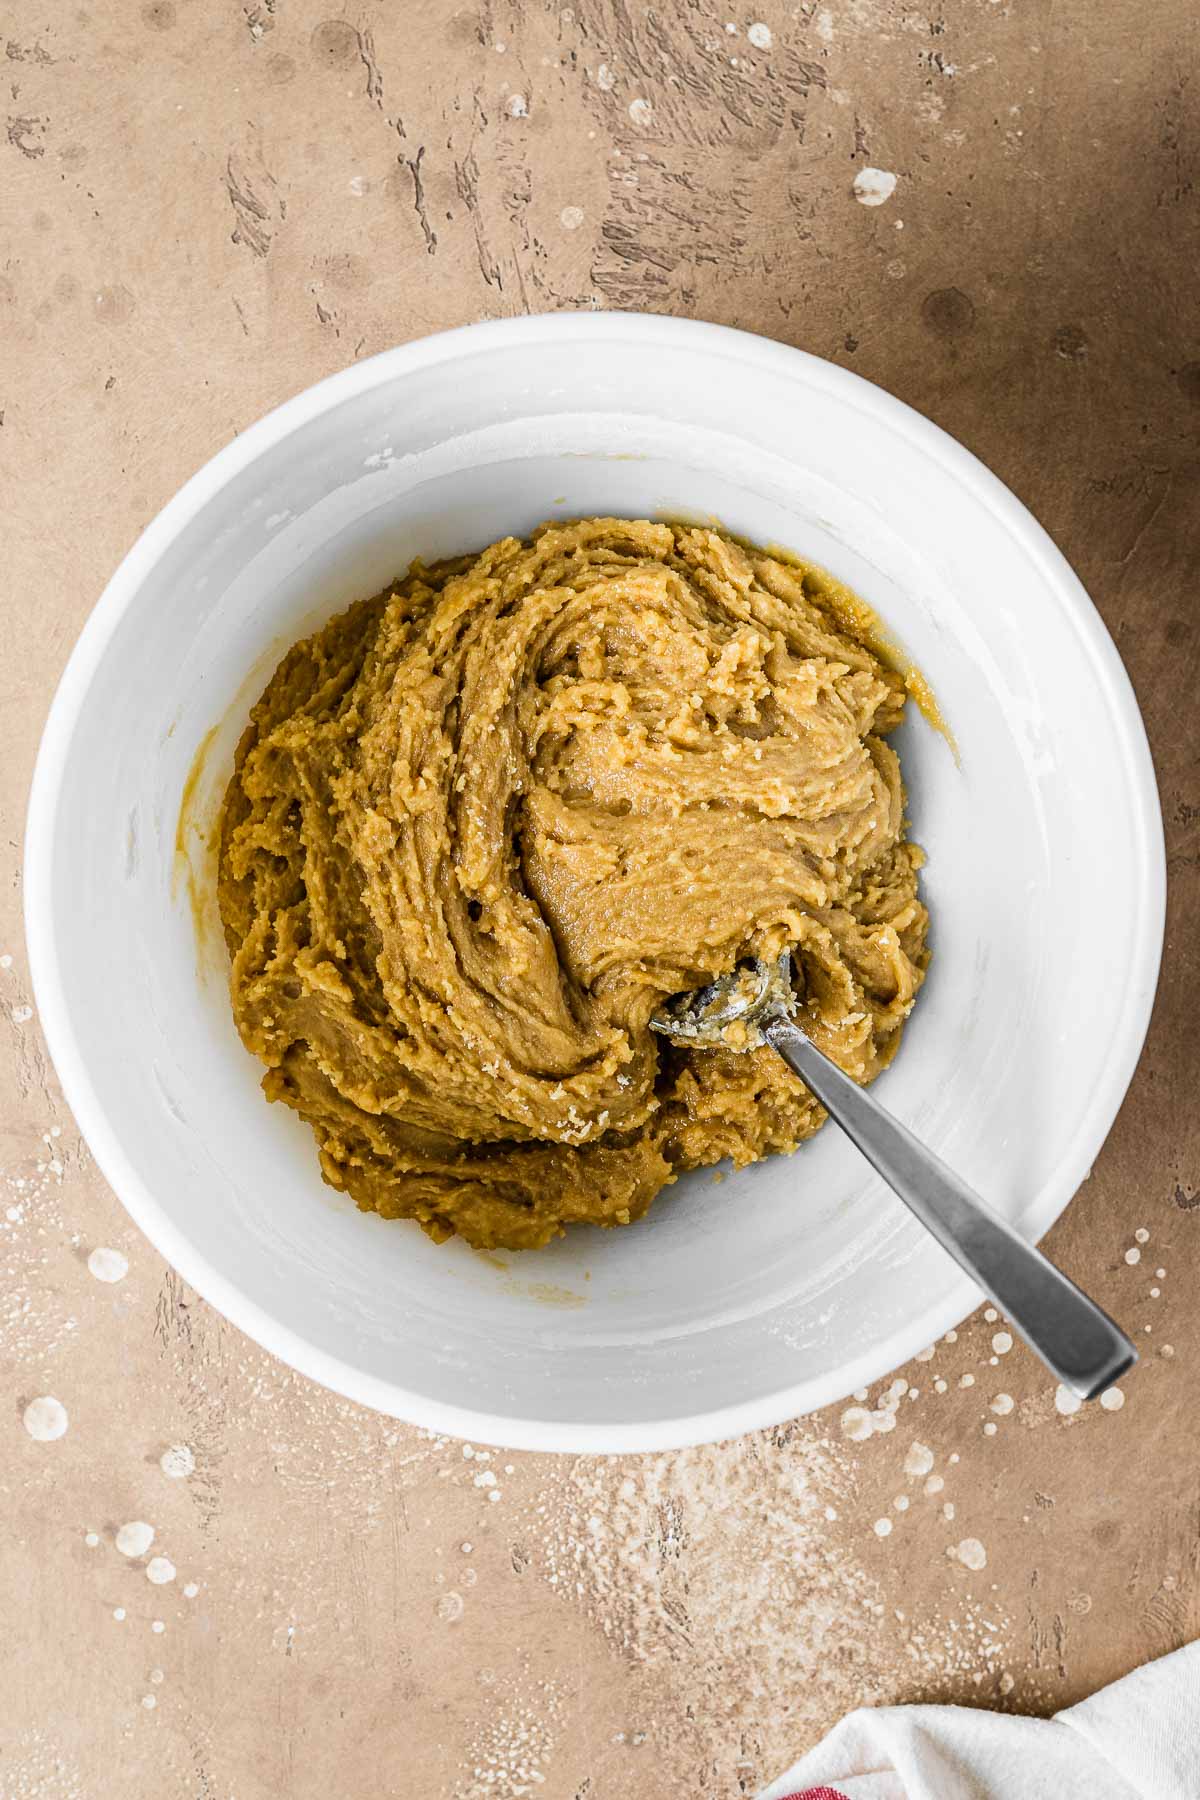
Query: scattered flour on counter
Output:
(677,1560)
(38,1766)
(512,1747)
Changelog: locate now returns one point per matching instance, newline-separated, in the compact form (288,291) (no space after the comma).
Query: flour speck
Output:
(1065,1401)
(760,35)
(856,1424)
(970,1553)
(190,1591)
(1112,1399)
(640,111)
(178,1462)
(92,1539)
(1003,1404)
(871,188)
(883,1528)
(118,1613)
(46,1419)
(159,1570)
(1133,1255)
(571,218)
(108,1265)
(1002,1343)
(919,1460)
(135,1538)
(517,107)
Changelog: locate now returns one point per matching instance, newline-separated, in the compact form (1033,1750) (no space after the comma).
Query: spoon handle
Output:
(1076,1340)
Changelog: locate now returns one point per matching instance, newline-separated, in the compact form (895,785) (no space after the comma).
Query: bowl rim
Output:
(1146,852)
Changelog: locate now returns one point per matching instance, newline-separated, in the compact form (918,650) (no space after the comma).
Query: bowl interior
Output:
(740,1300)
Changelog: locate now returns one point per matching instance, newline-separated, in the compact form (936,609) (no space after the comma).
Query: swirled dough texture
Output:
(482,823)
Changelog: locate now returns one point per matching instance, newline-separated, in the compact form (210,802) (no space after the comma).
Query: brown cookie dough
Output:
(481,824)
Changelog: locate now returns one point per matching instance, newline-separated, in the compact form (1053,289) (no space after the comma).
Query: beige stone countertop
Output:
(205,205)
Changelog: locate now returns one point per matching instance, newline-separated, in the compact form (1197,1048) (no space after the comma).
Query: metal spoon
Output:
(754,1005)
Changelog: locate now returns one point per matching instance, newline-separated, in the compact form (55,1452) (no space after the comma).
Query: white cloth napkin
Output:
(1136,1740)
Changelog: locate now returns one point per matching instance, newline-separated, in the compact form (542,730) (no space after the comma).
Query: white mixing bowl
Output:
(732,1305)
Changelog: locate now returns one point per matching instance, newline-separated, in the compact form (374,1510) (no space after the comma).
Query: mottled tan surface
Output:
(203,207)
